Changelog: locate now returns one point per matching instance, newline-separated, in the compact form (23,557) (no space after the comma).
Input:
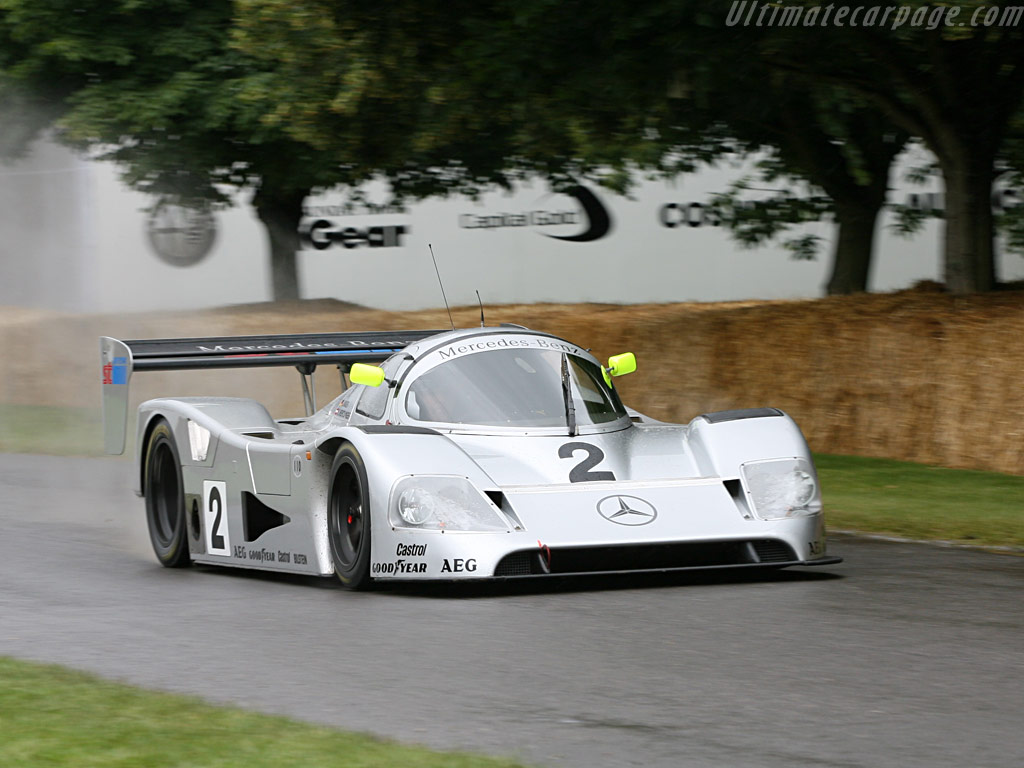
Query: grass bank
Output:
(51,429)
(899,498)
(52,717)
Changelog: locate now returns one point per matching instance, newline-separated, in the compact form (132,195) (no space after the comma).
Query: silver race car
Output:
(484,453)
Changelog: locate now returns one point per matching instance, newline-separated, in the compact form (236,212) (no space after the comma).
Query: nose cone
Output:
(631,511)
(634,453)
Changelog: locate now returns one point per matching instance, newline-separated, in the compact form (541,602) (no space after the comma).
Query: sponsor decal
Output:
(180,235)
(323,233)
(326,225)
(531,343)
(399,566)
(459,565)
(268,556)
(592,216)
(599,222)
(402,565)
(353,208)
(411,550)
(626,510)
(674,215)
(116,371)
(328,347)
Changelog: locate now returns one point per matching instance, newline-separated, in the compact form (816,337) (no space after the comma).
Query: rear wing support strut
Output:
(306,371)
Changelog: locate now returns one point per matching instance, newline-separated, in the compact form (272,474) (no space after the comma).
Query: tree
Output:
(851,163)
(158,88)
(457,95)
(453,96)
(199,99)
(828,137)
(570,90)
(955,87)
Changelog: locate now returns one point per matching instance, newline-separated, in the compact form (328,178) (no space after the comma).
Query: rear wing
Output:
(119,359)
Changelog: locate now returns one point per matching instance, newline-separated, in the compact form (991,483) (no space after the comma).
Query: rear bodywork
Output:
(633,494)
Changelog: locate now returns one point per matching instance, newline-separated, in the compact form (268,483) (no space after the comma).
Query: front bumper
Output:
(652,558)
(678,569)
(567,530)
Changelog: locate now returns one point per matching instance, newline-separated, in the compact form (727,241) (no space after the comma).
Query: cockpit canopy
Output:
(512,388)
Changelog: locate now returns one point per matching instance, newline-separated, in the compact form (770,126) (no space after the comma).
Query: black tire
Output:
(165,498)
(348,519)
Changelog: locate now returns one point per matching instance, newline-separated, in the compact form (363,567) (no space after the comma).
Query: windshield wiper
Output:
(570,409)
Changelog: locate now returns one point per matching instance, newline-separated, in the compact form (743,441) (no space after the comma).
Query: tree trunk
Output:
(280,211)
(969,249)
(855,239)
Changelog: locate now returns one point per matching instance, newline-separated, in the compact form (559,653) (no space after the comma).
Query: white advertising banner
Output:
(75,238)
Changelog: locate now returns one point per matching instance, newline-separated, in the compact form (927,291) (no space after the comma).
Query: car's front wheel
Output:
(165,498)
(348,519)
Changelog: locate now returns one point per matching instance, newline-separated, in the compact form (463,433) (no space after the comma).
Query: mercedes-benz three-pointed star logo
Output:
(626,510)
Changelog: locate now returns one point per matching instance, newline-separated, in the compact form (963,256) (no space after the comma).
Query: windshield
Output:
(512,388)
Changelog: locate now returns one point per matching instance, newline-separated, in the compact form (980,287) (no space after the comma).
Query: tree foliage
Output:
(159,88)
(956,86)
(568,90)
(200,100)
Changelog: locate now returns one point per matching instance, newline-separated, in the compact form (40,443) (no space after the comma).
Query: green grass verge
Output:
(916,501)
(51,429)
(51,716)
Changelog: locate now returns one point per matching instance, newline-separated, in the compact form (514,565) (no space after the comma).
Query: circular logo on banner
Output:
(626,510)
(180,235)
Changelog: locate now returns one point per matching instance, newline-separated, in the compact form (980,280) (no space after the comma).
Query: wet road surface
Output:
(904,655)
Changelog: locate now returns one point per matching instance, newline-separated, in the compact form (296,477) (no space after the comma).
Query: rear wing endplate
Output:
(119,359)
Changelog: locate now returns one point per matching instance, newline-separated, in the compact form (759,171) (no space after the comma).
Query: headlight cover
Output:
(782,488)
(442,503)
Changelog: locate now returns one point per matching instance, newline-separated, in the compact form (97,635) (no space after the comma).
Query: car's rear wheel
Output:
(165,498)
(348,519)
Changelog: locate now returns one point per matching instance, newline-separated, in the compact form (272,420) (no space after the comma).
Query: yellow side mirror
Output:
(620,365)
(370,375)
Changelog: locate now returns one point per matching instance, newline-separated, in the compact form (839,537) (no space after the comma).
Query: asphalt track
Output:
(904,655)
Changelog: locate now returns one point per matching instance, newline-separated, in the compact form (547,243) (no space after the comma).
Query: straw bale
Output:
(915,375)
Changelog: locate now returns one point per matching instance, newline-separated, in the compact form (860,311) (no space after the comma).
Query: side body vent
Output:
(772,551)
(735,489)
(741,413)
(517,564)
(258,518)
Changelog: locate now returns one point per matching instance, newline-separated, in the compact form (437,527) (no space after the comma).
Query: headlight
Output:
(442,503)
(782,488)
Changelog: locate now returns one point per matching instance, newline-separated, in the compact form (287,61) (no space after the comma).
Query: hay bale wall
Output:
(917,375)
